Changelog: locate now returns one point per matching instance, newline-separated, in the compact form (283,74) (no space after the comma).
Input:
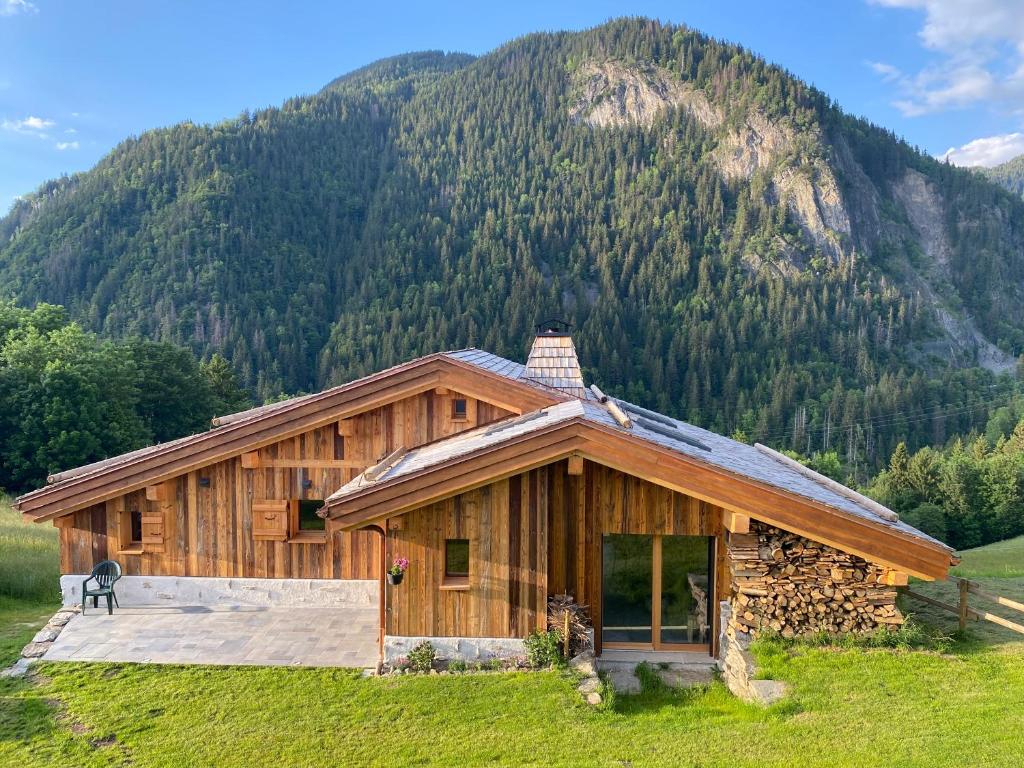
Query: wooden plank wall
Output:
(208,529)
(506,524)
(606,501)
(532,535)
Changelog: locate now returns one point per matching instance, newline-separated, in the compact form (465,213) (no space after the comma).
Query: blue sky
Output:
(77,77)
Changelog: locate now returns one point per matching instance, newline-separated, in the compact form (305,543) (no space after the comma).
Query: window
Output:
(459,412)
(306,524)
(135,523)
(456,559)
(129,532)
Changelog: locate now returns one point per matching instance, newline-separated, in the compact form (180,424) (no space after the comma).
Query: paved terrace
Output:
(327,636)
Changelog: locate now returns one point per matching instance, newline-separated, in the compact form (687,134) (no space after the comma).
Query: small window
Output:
(459,412)
(456,558)
(308,519)
(135,523)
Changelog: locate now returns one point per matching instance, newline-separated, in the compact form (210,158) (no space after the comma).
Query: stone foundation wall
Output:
(464,648)
(202,590)
(792,585)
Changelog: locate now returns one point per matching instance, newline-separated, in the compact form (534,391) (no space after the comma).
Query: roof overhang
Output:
(873,540)
(235,438)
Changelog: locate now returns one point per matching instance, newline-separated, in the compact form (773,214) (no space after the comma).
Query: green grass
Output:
(1004,559)
(29,580)
(999,568)
(847,707)
(28,558)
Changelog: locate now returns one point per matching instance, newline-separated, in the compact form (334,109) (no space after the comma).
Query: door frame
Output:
(656,643)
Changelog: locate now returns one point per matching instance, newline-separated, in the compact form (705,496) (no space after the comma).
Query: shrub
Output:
(421,658)
(543,648)
(457,665)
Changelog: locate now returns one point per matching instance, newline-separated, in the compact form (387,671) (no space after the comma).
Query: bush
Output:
(543,648)
(421,658)
(457,665)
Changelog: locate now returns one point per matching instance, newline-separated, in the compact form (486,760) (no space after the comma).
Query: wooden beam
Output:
(251,460)
(385,464)
(347,427)
(441,391)
(155,492)
(735,522)
(575,465)
(63,522)
(312,464)
(894,578)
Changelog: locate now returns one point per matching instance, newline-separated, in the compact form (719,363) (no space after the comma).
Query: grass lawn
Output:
(846,708)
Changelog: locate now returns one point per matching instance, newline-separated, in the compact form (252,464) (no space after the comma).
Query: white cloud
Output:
(31,125)
(64,145)
(14,7)
(979,47)
(988,151)
(71,131)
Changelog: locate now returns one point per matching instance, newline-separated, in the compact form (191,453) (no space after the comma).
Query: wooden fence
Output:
(965,612)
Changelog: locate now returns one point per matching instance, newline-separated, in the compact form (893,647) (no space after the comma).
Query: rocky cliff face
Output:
(802,171)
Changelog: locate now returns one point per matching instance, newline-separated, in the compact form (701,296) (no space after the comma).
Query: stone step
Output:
(622,674)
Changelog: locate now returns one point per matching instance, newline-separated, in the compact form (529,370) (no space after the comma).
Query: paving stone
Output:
(46,634)
(223,635)
(683,676)
(18,668)
(623,678)
(35,650)
(767,691)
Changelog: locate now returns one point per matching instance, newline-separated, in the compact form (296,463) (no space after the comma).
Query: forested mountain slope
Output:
(1010,174)
(730,247)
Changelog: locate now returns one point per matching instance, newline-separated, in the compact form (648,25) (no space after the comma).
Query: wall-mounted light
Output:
(307,483)
(204,482)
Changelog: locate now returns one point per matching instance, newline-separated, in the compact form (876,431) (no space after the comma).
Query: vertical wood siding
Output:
(208,530)
(506,524)
(534,534)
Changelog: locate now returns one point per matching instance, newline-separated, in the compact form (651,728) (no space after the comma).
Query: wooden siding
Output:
(531,535)
(208,528)
(506,525)
(606,501)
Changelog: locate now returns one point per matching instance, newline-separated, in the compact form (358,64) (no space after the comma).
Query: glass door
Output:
(685,589)
(656,592)
(628,591)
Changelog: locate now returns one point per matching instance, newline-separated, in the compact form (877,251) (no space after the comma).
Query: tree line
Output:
(68,398)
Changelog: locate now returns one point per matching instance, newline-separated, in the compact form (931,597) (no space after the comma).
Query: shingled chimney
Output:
(552,360)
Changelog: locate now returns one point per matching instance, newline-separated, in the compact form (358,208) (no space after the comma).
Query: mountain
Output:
(730,246)
(1010,174)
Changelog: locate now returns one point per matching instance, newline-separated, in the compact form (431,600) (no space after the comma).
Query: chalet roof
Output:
(231,431)
(731,456)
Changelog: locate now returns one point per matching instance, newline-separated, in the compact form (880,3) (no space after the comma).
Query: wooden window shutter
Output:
(270,520)
(157,516)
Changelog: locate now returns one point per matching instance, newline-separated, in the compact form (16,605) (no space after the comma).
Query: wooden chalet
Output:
(502,484)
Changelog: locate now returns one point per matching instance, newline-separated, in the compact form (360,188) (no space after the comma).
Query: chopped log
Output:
(791,585)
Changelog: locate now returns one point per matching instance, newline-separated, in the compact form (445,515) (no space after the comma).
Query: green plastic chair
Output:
(104,574)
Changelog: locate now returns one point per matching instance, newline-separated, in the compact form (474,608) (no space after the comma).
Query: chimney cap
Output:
(554,327)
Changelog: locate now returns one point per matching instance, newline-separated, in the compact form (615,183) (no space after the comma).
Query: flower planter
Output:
(395,579)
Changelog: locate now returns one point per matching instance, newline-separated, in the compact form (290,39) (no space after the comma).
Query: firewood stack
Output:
(559,608)
(793,585)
